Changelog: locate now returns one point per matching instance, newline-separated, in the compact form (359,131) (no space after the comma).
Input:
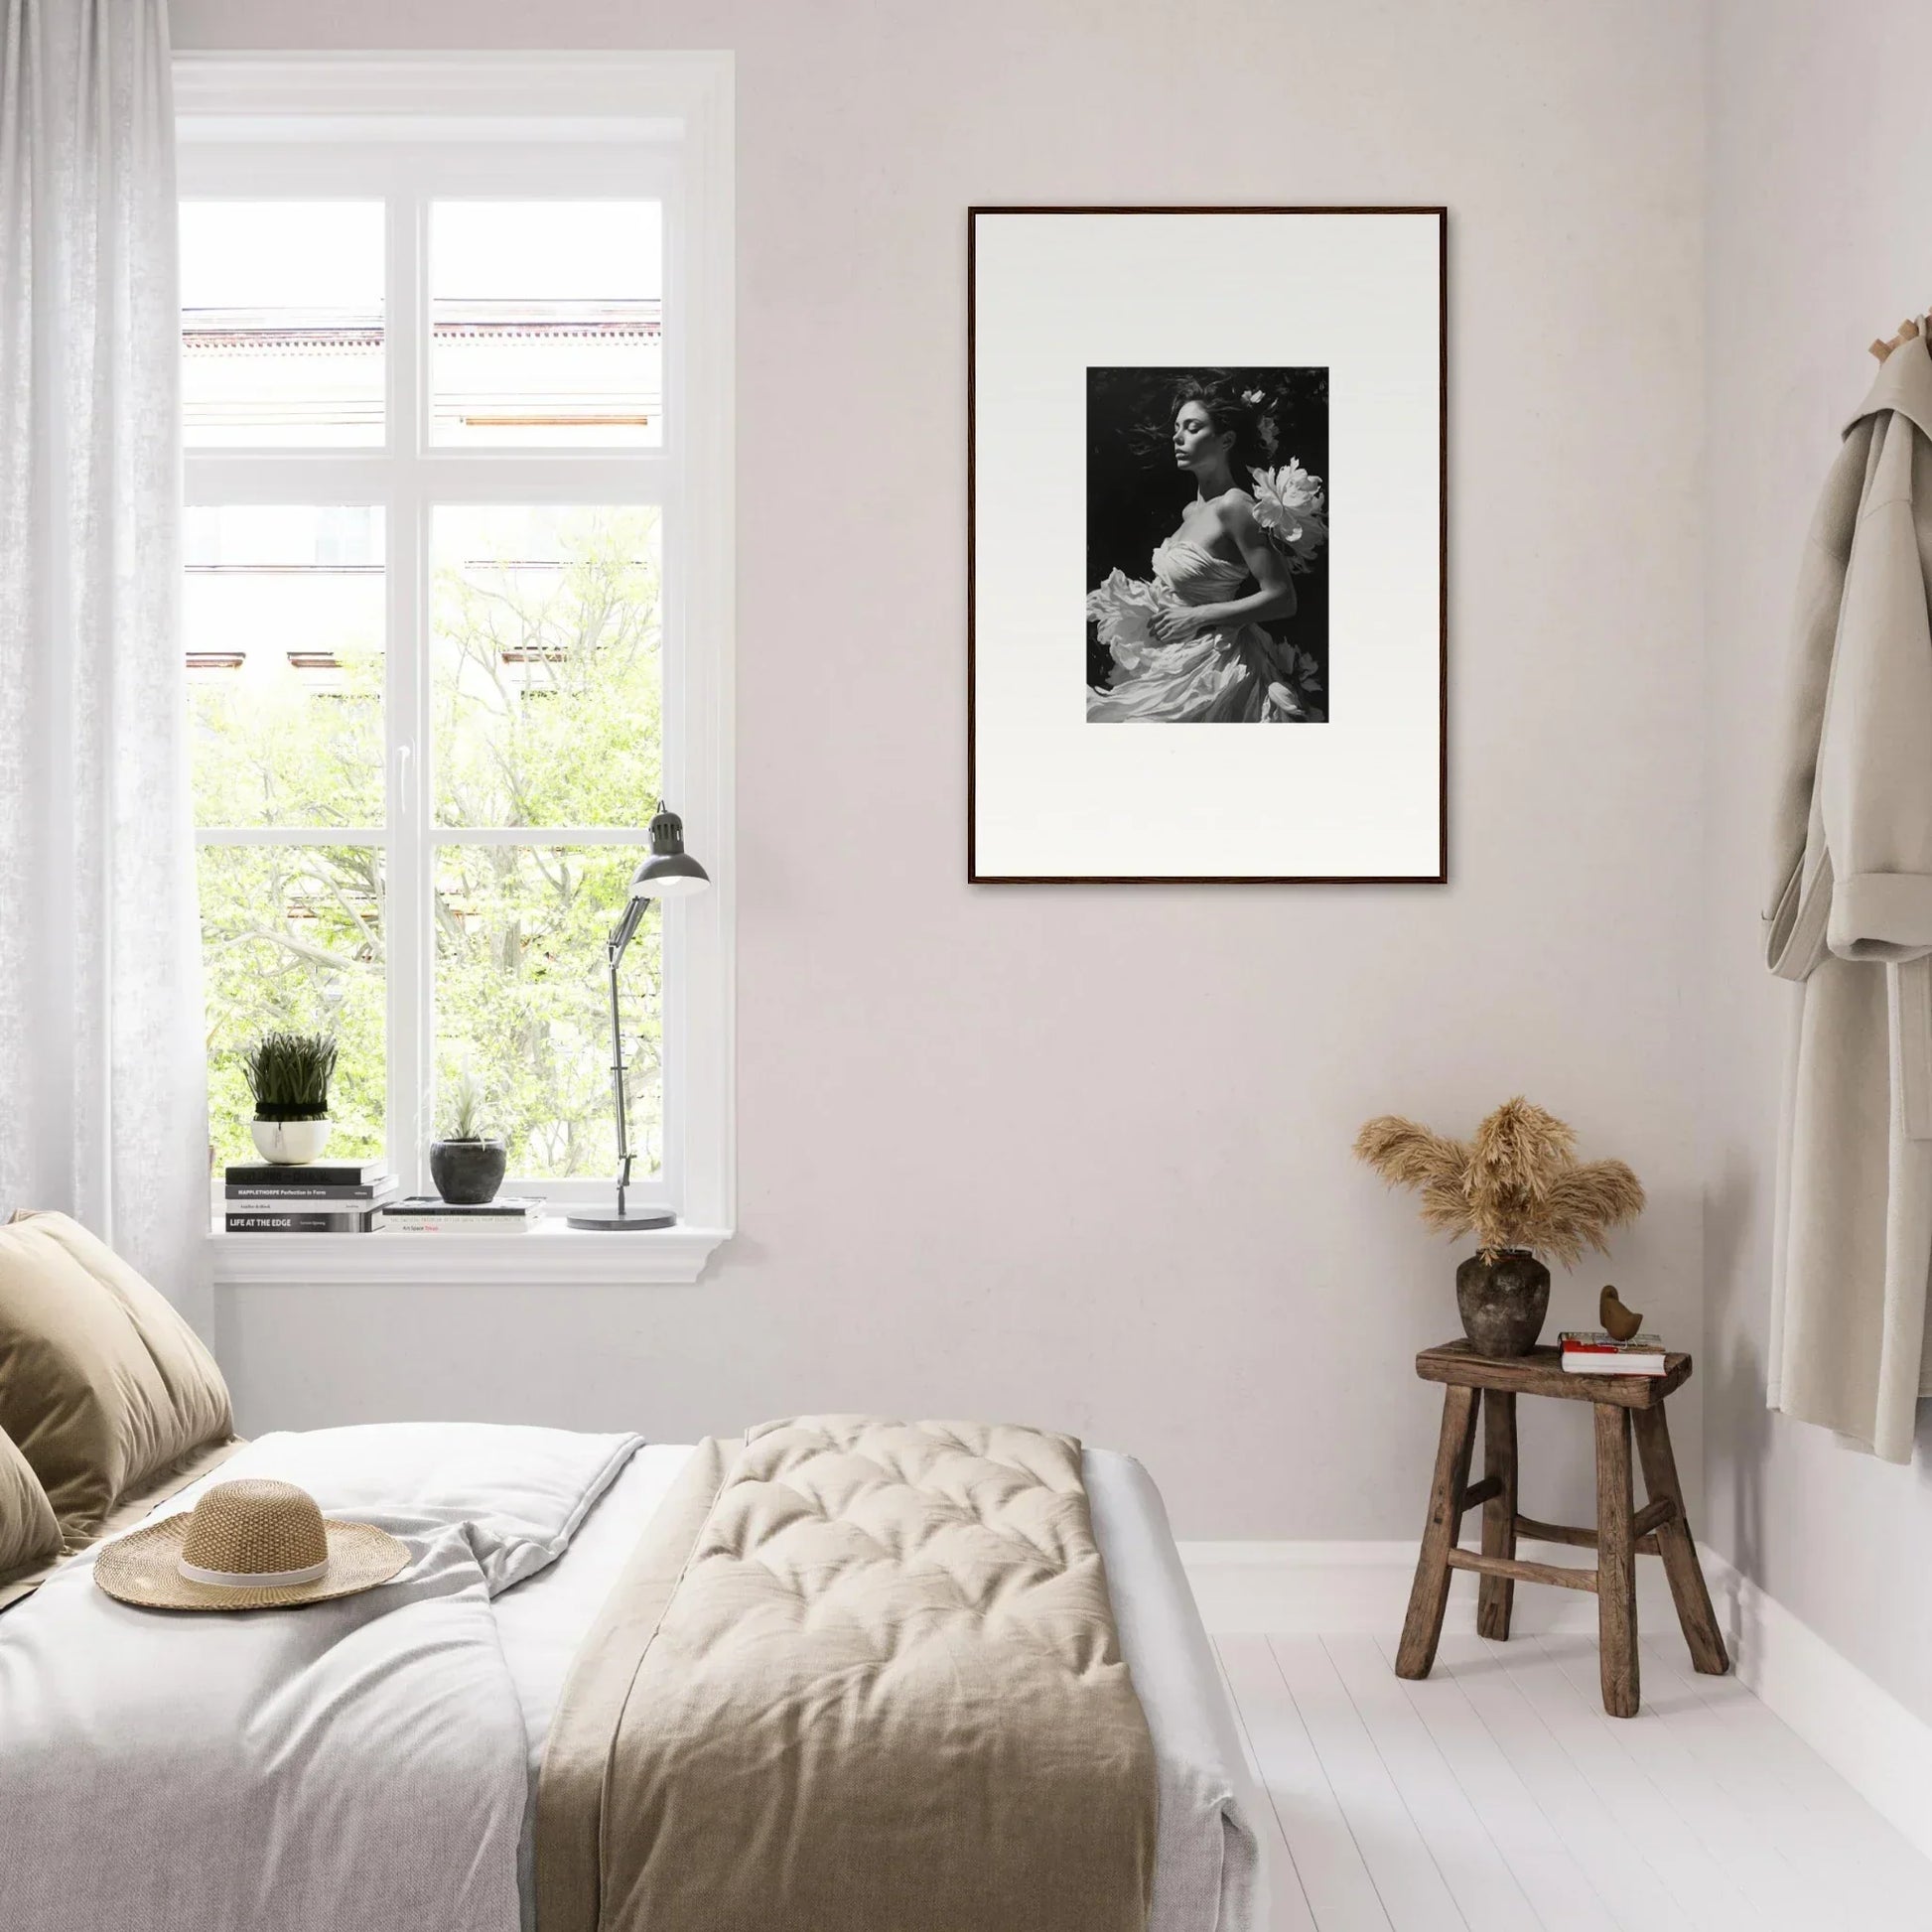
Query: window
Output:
(457,599)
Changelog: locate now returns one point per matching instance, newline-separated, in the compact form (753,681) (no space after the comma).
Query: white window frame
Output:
(411,129)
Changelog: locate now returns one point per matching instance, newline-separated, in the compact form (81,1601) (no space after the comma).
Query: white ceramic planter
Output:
(290,1143)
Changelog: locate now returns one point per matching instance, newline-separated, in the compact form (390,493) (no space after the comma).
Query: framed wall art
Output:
(1207,545)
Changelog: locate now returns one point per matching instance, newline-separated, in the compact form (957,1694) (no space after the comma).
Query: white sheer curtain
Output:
(101,1069)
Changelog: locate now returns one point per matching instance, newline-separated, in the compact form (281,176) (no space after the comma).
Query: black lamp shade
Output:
(670,871)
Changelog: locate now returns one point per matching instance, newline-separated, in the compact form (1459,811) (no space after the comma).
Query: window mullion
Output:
(292,835)
(543,834)
(410,913)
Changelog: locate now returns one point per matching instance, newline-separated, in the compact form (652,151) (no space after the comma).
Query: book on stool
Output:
(1596,1351)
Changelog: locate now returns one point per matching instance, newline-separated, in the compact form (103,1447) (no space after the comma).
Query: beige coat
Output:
(1851,916)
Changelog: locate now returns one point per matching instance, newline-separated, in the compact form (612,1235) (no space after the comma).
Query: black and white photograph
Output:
(1207,535)
(1204,499)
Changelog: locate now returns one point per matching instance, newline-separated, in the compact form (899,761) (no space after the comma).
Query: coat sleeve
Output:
(1875,767)
(1800,887)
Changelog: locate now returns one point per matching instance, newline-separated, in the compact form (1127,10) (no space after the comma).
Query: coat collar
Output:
(1903,384)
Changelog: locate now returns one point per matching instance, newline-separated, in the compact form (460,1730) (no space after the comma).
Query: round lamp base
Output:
(615,1223)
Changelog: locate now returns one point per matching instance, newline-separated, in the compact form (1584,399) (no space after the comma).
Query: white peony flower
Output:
(1125,609)
(1291,505)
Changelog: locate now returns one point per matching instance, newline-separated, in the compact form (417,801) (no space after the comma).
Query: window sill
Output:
(551,1253)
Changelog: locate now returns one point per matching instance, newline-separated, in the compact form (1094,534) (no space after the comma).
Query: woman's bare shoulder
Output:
(1236,510)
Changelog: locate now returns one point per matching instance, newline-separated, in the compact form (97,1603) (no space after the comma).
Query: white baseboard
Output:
(1881,1749)
(1362,1589)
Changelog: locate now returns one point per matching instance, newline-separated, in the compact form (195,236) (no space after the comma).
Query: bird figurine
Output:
(1620,1323)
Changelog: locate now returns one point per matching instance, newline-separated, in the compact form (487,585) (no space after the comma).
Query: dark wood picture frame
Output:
(973,874)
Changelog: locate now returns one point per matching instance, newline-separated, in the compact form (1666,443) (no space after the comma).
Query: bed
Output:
(60,1676)
(842,1674)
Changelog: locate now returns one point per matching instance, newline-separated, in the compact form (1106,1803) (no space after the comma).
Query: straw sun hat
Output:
(249,1545)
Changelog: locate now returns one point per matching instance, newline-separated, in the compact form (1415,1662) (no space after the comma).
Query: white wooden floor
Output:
(1497,1796)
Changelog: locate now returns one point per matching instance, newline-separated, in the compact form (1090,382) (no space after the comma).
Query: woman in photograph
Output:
(1188,648)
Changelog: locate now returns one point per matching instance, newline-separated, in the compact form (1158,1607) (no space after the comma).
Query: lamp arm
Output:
(614,947)
(625,928)
(615,954)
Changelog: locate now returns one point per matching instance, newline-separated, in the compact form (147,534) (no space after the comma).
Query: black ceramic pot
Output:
(468,1173)
(1503,1301)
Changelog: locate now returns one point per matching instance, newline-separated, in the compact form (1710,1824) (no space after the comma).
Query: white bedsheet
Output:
(354,1765)
(1207,1876)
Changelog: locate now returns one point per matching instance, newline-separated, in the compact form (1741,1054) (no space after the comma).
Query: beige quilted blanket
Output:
(862,1676)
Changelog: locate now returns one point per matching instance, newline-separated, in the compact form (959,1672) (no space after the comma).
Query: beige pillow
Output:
(101,1383)
(29,1535)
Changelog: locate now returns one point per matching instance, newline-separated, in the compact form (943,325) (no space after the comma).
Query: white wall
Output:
(1821,237)
(1080,1156)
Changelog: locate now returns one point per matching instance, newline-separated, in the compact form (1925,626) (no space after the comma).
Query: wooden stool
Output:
(1659,1529)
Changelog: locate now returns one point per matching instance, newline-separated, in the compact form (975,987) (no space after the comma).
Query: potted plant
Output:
(289,1076)
(1519,1189)
(467,1163)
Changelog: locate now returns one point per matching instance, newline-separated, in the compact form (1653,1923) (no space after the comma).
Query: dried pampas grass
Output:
(1517,1184)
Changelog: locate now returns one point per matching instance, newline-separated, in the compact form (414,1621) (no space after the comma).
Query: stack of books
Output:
(426,1214)
(323,1197)
(1594,1352)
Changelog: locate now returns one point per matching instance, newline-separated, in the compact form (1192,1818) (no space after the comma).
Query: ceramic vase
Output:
(290,1143)
(1503,1300)
(467,1173)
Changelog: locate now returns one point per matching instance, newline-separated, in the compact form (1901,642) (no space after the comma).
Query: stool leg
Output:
(1616,1566)
(1421,1629)
(1678,1549)
(1495,1596)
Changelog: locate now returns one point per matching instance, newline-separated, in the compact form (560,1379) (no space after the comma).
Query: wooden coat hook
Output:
(1908,332)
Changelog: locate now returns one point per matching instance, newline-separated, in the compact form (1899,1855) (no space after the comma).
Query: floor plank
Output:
(1750,1857)
(1289,1907)
(1851,1856)
(1484,1889)
(1325,1863)
(1497,1796)
(1620,1873)
(1557,1887)
(1407,1879)
(1642,1816)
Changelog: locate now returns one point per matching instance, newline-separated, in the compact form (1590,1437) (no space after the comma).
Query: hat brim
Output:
(143,1569)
